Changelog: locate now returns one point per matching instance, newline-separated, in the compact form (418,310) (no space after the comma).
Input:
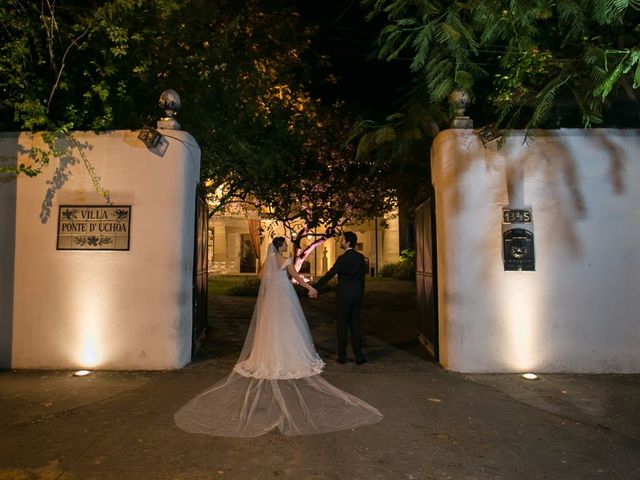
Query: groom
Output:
(350,268)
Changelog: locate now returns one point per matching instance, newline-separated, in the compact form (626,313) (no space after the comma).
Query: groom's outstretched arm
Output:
(333,271)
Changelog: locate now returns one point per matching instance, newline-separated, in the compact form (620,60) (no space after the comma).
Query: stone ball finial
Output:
(459,100)
(169,102)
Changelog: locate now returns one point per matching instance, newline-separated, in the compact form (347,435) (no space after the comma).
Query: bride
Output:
(276,381)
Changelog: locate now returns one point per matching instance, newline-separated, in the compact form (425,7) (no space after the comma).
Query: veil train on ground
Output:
(276,381)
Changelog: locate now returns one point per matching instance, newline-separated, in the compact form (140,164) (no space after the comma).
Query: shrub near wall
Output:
(245,288)
(249,287)
(405,269)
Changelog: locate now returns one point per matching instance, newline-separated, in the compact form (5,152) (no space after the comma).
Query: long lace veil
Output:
(276,382)
(270,269)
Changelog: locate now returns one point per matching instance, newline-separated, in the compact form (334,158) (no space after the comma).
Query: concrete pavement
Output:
(437,425)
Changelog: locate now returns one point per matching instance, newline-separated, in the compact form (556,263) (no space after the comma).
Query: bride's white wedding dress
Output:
(276,381)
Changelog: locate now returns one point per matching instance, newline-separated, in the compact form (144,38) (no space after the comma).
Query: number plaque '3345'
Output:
(516,215)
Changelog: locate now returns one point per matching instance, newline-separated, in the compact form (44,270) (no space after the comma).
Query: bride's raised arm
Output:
(292,271)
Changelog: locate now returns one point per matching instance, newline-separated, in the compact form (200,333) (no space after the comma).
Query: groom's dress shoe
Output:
(342,360)
(361,360)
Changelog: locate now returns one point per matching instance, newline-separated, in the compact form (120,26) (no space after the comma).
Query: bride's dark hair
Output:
(278,242)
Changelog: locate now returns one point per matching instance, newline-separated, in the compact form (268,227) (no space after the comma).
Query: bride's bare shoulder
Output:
(282,261)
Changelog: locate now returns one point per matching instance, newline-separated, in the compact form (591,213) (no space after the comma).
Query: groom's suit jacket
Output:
(350,268)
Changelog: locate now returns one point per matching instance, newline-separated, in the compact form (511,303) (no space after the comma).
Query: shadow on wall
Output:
(549,154)
(616,154)
(557,156)
(62,173)
(556,163)
(11,150)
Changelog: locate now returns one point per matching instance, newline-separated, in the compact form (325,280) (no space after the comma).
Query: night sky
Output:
(368,84)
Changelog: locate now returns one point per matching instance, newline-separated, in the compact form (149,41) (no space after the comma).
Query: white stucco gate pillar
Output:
(87,285)
(577,308)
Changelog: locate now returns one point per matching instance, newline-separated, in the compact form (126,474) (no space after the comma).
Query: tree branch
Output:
(55,85)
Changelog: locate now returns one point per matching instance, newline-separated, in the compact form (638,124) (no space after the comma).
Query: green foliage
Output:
(218,284)
(314,194)
(405,269)
(399,143)
(77,67)
(610,11)
(239,69)
(533,58)
(245,288)
(249,287)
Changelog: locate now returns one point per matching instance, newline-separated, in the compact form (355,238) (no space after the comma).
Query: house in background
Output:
(236,247)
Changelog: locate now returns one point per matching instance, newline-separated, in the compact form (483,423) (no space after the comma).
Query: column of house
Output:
(219,260)
(390,249)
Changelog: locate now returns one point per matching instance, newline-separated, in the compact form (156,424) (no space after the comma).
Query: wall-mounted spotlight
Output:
(150,136)
(488,134)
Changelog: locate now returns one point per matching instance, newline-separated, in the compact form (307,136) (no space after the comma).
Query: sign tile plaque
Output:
(94,227)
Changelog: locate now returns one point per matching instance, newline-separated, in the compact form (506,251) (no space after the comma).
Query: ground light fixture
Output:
(530,376)
(81,373)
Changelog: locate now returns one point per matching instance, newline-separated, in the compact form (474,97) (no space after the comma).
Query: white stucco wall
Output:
(579,311)
(103,309)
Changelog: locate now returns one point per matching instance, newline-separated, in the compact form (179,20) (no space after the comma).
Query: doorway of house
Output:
(247,255)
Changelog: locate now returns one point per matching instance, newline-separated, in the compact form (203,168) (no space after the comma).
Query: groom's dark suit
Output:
(350,268)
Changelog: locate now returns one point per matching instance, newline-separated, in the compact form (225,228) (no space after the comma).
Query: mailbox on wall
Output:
(517,239)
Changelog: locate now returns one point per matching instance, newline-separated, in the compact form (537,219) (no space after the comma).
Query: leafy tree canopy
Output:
(531,64)
(526,64)
(76,65)
(241,71)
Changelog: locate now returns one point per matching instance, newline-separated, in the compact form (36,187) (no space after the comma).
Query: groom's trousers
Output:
(349,319)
